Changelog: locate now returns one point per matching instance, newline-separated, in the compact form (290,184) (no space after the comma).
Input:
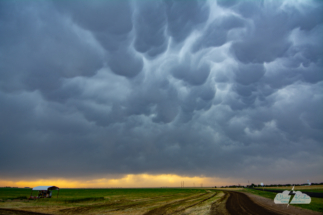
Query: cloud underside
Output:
(124,181)
(192,88)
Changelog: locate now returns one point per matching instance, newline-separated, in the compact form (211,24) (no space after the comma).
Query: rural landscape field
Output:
(152,201)
(161,107)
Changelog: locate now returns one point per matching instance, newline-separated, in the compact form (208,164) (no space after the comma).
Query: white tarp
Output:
(46,188)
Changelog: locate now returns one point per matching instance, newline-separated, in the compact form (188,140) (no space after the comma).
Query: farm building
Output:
(43,192)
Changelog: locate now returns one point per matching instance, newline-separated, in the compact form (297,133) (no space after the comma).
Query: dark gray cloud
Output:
(150,22)
(223,89)
(110,17)
(35,32)
(111,24)
(217,32)
(194,73)
(184,17)
(268,37)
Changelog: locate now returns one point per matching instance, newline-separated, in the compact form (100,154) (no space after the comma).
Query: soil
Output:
(4,211)
(218,207)
(240,203)
(199,202)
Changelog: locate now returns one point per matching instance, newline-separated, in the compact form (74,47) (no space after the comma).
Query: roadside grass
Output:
(230,189)
(266,194)
(312,188)
(315,205)
(298,187)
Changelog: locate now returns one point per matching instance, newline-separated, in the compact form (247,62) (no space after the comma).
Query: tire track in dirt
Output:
(6,211)
(163,209)
(85,209)
(162,196)
(183,209)
(218,207)
(115,206)
(240,203)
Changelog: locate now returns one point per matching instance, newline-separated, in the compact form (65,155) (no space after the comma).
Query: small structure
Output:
(44,192)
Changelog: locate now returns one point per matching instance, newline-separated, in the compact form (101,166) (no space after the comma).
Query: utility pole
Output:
(182,184)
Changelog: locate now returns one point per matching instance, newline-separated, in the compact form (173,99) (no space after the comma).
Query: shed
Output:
(44,188)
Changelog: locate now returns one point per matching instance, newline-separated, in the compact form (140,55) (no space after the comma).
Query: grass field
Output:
(118,201)
(312,188)
(128,201)
(315,205)
(229,189)
(68,194)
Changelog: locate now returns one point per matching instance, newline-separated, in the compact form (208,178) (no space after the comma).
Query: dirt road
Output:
(240,203)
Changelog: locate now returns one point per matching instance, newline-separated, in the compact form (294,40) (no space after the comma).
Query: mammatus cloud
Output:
(222,89)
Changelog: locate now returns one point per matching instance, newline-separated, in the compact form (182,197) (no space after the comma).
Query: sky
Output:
(149,93)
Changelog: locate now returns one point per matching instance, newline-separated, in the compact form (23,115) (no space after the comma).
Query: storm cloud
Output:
(228,89)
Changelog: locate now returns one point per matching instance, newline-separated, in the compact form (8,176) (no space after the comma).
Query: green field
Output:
(98,201)
(315,205)
(314,189)
(302,190)
(68,194)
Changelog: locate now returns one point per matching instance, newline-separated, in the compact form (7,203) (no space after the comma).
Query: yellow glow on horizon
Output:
(130,180)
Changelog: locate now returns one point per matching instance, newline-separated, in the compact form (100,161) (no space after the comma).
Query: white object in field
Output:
(262,184)
(46,188)
(308,181)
